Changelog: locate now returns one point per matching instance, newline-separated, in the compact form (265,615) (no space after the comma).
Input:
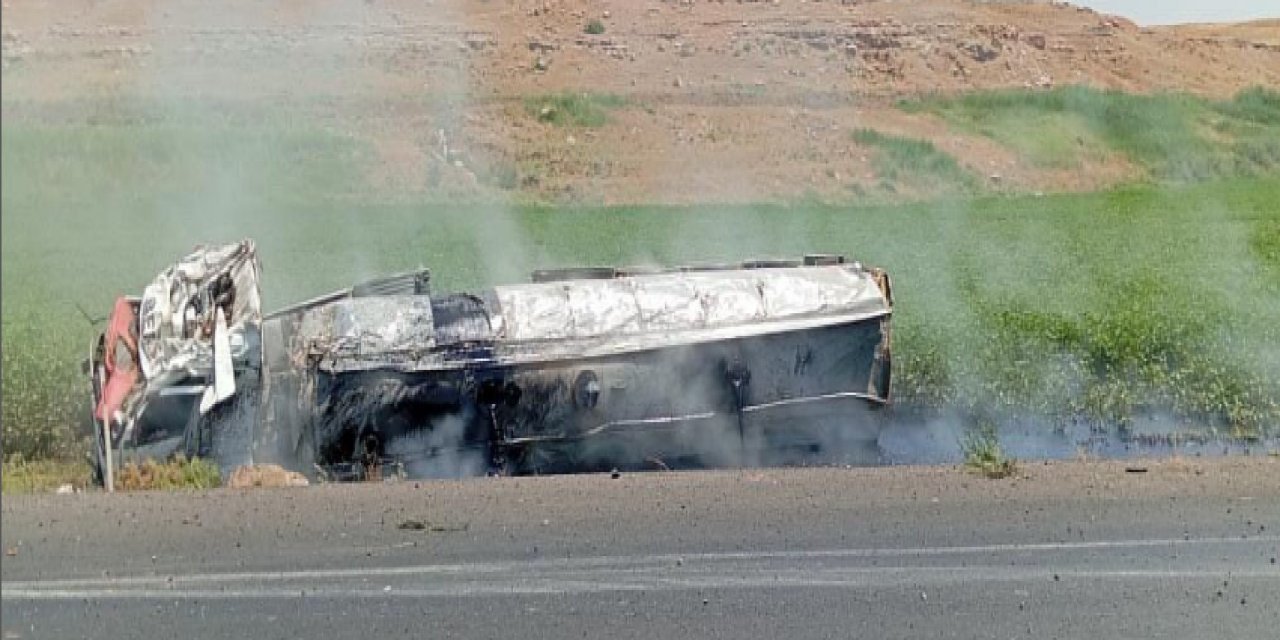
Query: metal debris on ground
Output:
(420,525)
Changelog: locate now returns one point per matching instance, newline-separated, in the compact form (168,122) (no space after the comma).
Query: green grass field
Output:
(916,164)
(41,476)
(1175,137)
(1160,300)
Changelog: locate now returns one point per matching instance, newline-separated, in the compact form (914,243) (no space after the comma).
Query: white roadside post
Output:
(108,477)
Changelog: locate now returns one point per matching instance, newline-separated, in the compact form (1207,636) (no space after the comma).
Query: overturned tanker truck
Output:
(761,362)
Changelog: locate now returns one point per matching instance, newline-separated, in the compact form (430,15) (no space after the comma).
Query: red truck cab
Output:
(115,363)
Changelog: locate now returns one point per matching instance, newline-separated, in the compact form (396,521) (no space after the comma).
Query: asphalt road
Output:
(1179,550)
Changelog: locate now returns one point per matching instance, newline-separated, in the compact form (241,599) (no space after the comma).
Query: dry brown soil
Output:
(727,100)
(587,514)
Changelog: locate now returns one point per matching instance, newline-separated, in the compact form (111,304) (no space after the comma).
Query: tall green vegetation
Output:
(1174,137)
(915,163)
(983,454)
(574,109)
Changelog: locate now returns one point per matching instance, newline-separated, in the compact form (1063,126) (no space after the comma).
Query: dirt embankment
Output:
(722,101)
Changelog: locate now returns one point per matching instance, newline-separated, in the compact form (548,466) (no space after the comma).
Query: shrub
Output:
(984,455)
(575,109)
(178,473)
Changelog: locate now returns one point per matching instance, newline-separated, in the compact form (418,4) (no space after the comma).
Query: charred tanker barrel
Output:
(590,368)
(579,369)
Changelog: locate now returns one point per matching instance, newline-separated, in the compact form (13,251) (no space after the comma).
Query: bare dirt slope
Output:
(723,100)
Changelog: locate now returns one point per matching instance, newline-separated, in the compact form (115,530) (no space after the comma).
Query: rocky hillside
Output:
(635,101)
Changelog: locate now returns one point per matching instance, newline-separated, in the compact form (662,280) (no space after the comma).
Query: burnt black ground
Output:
(1185,549)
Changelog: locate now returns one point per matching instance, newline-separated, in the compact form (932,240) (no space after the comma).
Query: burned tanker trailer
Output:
(580,369)
(761,362)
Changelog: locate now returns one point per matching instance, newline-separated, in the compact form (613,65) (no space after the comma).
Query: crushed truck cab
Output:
(173,362)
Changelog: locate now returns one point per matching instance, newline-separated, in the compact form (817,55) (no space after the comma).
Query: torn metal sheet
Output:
(179,309)
(660,305)
(224,384)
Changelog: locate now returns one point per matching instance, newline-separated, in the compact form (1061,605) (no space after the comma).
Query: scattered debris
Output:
(657,462)
(421,525)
